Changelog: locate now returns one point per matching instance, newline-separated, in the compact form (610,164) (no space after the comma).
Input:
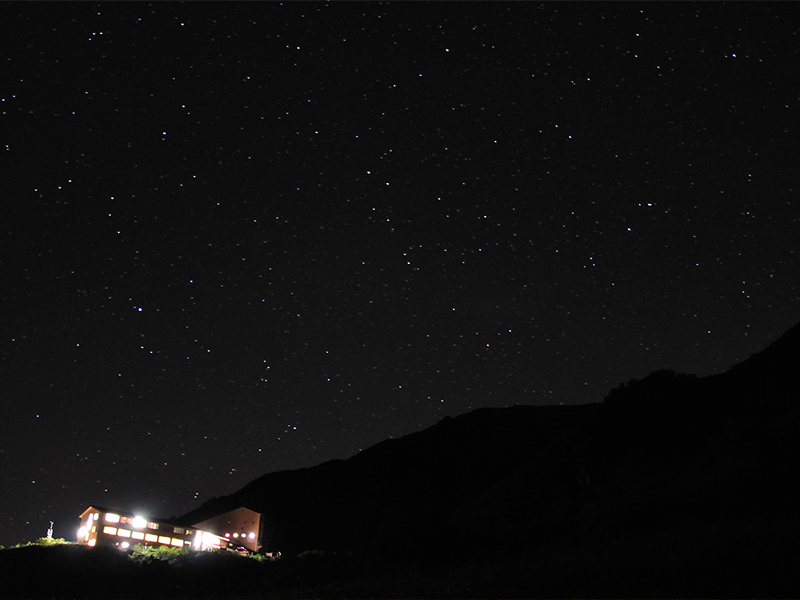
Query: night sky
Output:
(247,237)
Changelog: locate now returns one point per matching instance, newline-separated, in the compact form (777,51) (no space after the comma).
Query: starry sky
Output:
(246,237)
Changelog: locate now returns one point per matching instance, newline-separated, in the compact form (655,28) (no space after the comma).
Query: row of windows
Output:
(244,535)
(141,523)
(147,537)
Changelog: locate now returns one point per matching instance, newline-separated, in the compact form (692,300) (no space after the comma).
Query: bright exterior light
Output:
(83,532)
(139,522)
(235,535)
(210,540)
(124,545)
(252,535)
(92,542)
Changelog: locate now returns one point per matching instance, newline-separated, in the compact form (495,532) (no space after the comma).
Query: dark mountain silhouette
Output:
(673,486)
(671,466)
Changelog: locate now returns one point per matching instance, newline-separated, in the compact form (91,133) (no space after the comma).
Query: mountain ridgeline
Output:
(666,457)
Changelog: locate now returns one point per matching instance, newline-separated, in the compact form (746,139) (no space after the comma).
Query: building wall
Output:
(241,526)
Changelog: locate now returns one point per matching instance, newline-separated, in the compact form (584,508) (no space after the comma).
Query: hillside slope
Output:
(669,451)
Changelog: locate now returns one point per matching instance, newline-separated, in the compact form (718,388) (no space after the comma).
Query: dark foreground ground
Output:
(698,562)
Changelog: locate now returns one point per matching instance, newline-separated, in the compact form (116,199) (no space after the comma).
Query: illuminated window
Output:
(152,525)
(180,530)
(94,528)
(110,530)
(139,522)
(124,532)
(150,538)
(92,542)
(96,516)
(127,520)
(137,535)
(163,539)
(112,518)
(177,542)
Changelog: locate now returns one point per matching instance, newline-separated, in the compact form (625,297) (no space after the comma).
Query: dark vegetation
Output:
(673,486)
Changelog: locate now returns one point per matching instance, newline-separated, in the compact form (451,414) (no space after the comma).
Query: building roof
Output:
(125,513)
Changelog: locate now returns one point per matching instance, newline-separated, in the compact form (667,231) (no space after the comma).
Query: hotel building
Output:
(106,527)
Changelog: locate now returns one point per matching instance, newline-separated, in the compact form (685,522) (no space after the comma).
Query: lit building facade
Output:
(241,527)
(104,527)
